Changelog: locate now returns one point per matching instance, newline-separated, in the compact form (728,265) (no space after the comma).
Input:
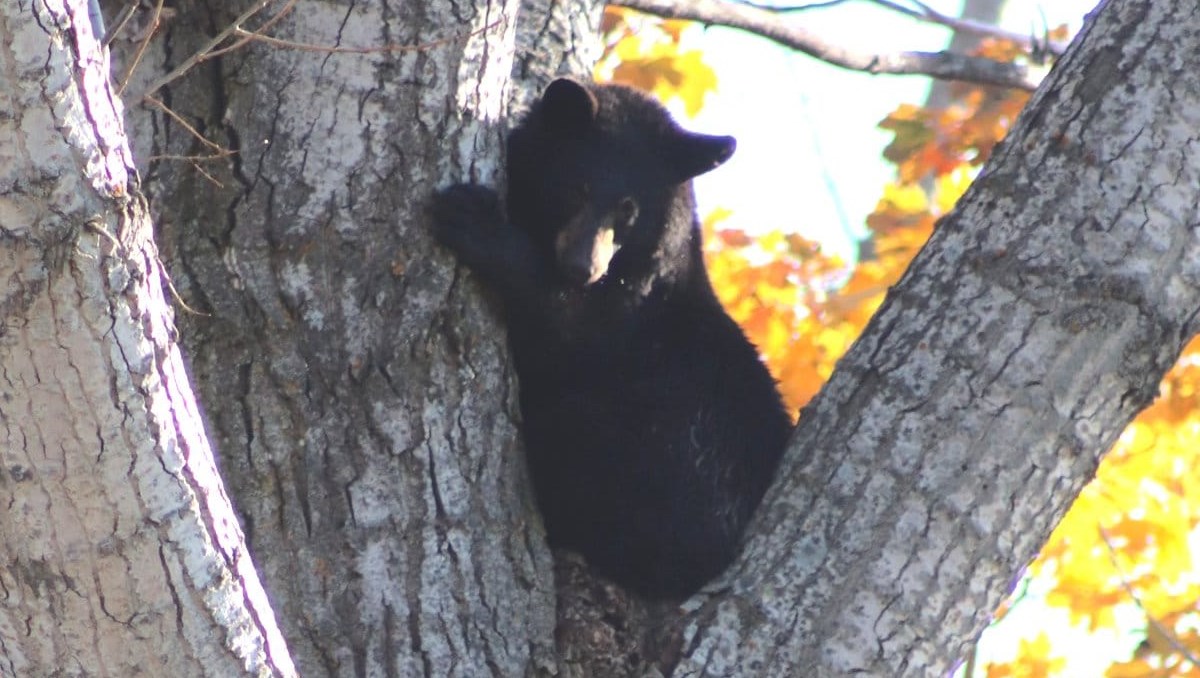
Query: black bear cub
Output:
(652,428)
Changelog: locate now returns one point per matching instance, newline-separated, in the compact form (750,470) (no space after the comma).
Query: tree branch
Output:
(765,23)
(982,30)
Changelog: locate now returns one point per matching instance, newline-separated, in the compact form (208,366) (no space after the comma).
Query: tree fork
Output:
(1037,321)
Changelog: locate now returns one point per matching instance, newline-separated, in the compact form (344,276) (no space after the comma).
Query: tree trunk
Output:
(1037,321)
(120,551)
(358,390)
(357,385)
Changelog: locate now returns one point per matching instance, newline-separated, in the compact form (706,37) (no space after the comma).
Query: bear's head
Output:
(600,177)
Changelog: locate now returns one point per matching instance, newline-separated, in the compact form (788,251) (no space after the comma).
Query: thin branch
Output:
(141,50)
(795,8)
(928,14)
(196,166)
(1166,633)
(193,159)
(243,36)
(309,47)
(122,19)
(157,103)
(246,36)
(166,277)
(931,15)
(205,52)
(941,65)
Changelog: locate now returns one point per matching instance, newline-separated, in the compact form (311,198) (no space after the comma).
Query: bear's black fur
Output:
(652,428)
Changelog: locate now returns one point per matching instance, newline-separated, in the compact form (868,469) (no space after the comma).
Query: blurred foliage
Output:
(1127,548)
(647,53)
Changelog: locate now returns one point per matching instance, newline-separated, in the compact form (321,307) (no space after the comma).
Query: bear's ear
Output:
(694,154)
(568,106)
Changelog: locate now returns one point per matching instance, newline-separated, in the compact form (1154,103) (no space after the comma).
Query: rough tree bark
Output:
(358,390)
(357,386)
(119,551)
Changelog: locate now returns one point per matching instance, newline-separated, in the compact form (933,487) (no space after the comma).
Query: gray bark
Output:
(357,385)
(119,550)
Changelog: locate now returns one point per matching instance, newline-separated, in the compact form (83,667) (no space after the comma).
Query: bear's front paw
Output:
(466,215)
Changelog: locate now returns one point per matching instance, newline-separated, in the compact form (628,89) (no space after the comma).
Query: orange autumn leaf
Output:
(647,54)
(1034,659)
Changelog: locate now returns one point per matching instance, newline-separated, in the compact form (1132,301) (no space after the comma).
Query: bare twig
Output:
(214,49)
(941,65)
(931,15)
(206,52)
(304,46)
(122,19)
(928,14)
(795,8)
(1166,633)
(141,50)
(237,30)
(240,38)
(196,166)
(193,159)
(220,150)
(175,293)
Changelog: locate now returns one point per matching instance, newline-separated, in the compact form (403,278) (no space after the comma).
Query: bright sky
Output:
(809,160)
(808,155)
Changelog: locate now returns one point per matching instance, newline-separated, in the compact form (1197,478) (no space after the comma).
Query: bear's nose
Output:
(583,256)
(582,269)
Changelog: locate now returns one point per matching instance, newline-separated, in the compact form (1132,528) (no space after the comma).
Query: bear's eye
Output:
(626,212)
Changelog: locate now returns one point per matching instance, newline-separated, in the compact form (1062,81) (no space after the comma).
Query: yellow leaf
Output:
(951,186)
